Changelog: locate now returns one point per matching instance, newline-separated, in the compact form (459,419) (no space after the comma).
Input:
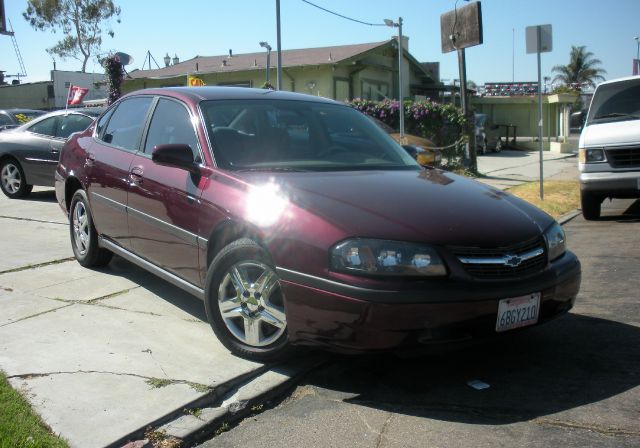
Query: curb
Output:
(562,220)
(225,405)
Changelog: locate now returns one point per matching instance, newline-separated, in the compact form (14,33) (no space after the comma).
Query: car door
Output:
(164,201)
(39,149)
(108,159)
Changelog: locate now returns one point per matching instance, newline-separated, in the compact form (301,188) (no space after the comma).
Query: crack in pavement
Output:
(37,265)
(34,220)
(382,434)
(148,379)
(607,431)
(35,315)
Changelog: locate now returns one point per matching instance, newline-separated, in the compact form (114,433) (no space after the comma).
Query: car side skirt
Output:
(144,264)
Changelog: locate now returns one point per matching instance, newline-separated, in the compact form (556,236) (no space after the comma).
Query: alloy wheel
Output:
(250,303)
(81,231)
(11,178)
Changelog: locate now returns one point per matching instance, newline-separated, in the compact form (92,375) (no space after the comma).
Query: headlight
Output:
(556,241)
(382,257)
(591,155)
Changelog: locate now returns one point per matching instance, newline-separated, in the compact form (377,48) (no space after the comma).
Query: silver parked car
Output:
(12,118)
(29,153)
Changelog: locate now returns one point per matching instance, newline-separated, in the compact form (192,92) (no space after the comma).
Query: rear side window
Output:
(45,127)
(72,123)
(171,124)
(125,126)
(5,120)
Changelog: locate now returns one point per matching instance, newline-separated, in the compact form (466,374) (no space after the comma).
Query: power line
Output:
(344,17)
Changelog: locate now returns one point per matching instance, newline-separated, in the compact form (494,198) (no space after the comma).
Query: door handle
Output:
(136,174)
(90,158)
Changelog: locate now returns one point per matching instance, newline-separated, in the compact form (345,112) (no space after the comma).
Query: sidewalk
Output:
(510,168)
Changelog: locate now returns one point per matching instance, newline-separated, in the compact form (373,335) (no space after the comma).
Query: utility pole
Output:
(279,45)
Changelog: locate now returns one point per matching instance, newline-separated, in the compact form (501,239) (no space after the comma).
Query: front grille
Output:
(482,270)
(628,157)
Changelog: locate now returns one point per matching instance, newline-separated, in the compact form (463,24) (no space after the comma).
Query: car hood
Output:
(429,205)
(613,133)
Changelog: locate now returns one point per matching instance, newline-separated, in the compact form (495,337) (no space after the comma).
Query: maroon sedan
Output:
(299,222)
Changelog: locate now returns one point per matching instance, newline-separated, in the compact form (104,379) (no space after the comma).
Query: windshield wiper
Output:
(615,115)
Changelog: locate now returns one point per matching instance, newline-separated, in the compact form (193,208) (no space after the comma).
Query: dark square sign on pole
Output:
(460,29)
(3,19)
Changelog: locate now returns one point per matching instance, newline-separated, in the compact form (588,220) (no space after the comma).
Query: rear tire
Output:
(244,303)
(590,205)
(84,238)
(12,180)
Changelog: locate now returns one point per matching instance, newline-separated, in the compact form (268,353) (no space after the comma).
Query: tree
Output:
(79,20)
(582,69)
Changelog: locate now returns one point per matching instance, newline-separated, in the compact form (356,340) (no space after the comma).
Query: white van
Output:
(609,145)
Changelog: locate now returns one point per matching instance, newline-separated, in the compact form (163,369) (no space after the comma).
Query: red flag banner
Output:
(76,94)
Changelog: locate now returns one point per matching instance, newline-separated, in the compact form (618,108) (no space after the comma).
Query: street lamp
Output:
(175,59)
(167,60)
(637,38)
(398,25)
(268,47)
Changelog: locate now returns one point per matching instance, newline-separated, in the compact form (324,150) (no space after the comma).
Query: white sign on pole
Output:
(544,42)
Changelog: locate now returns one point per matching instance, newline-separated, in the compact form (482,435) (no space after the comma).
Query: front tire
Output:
(244,303)
(590,205)
(12,180)
(84,238)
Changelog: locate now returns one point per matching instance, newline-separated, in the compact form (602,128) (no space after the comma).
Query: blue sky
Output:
(212,27)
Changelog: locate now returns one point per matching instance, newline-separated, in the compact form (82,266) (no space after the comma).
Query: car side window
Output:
(5,120)
(45,127)
(170,124)
(126,123)
(102,123)
(72,123)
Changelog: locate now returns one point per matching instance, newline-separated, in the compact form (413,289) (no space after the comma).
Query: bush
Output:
(443,124)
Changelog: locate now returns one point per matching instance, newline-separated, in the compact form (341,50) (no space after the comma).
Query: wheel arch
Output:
(71,185)
(228,231)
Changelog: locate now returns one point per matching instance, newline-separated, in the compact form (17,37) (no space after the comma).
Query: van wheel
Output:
(84,238)
(244,302)
(590,205)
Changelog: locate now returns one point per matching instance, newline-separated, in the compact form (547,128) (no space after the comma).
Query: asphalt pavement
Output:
(573,382)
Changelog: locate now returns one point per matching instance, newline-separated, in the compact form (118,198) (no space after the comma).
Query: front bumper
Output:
(349,319)
(625,184)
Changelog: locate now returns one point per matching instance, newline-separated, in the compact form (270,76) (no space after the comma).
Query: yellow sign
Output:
(194,81)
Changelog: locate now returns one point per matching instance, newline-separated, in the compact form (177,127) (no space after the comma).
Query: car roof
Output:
(20,111)
(613,81)
(197,94)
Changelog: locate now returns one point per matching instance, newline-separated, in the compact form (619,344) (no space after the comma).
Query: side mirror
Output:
(176,155)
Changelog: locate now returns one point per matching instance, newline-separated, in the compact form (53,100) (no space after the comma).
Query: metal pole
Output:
(540,143)
(278,44)
(638,55)
(268,63)
(400,84)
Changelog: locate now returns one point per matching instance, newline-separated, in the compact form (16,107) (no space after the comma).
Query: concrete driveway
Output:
(508,168)
(102,354)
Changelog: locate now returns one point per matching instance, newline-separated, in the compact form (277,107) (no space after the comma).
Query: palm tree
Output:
(582,69)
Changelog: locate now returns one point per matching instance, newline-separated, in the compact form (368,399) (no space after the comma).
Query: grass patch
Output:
(560,197)
(19,425)
(157,383)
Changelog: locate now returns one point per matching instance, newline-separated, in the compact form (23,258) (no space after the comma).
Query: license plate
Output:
(518,312)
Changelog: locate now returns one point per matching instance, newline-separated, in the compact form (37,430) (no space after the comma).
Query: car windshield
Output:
(298,136)
(615,102)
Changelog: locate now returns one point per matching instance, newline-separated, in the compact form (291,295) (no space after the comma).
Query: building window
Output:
(67,84)
(375,90)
